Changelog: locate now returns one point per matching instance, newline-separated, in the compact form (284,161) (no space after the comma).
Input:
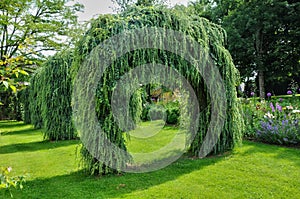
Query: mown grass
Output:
(152,142)
(253,170)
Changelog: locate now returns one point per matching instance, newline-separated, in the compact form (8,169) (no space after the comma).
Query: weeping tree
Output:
(124,4)
(210,36)
(50,98)
(35,99)
(24,96)
(56,98)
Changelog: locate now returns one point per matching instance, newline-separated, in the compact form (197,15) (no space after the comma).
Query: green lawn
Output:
(253,170)
(151,142)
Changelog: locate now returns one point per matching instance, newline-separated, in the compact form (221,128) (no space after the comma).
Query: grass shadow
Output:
(6,124)
(23,131)
(35,146)
(78,185)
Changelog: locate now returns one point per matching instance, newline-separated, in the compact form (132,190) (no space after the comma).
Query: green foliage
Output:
(25,100)
(30,27)
(12,71)
(7,182)
(125,4)
(26,35)
(173,113)
(56,98)
(136,106)
(156,112)
(11,107)
(145,112)
(253,111)
(294,87)
(50,98)
(275,121)
(263,36)
(35,98)
(14,77)
(210,35)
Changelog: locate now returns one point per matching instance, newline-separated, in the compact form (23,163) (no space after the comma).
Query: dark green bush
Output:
(173,112)
(157,112)
(145,112)
(10,106)
(170,110)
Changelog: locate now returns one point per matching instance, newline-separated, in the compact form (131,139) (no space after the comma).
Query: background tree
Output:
(30,28)
(263,36)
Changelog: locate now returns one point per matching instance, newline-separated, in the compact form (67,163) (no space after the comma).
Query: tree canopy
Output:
(263,36)
(209,36)
(30,29)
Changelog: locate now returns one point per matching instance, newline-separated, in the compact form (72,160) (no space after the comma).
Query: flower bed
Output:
(275,121)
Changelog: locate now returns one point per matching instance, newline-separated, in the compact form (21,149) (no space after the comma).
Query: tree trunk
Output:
(261,83)
(259,62)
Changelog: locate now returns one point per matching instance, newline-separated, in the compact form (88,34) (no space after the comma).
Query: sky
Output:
(94,7)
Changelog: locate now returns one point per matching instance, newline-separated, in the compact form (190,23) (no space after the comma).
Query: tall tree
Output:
(263,36)
(30,28)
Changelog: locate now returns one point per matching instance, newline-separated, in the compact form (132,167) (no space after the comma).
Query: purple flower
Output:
(252,93)
(289,92)
(272,107)
(280,99)
(269,94)
(278,107)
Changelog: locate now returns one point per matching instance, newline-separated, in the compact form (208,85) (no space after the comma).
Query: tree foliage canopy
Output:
(50,107)
(263,36)
(28,29)
(211,37)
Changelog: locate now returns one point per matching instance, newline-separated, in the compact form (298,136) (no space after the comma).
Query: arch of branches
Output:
(50,90)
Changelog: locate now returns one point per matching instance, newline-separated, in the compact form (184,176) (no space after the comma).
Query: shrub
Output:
(7,182)
(173,113)
(156,112)
(170,112)
(145,112)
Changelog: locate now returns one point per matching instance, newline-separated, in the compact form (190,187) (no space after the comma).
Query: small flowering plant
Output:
(253,112)
(269,95)
(280,125)
(293,87)
(7,182)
